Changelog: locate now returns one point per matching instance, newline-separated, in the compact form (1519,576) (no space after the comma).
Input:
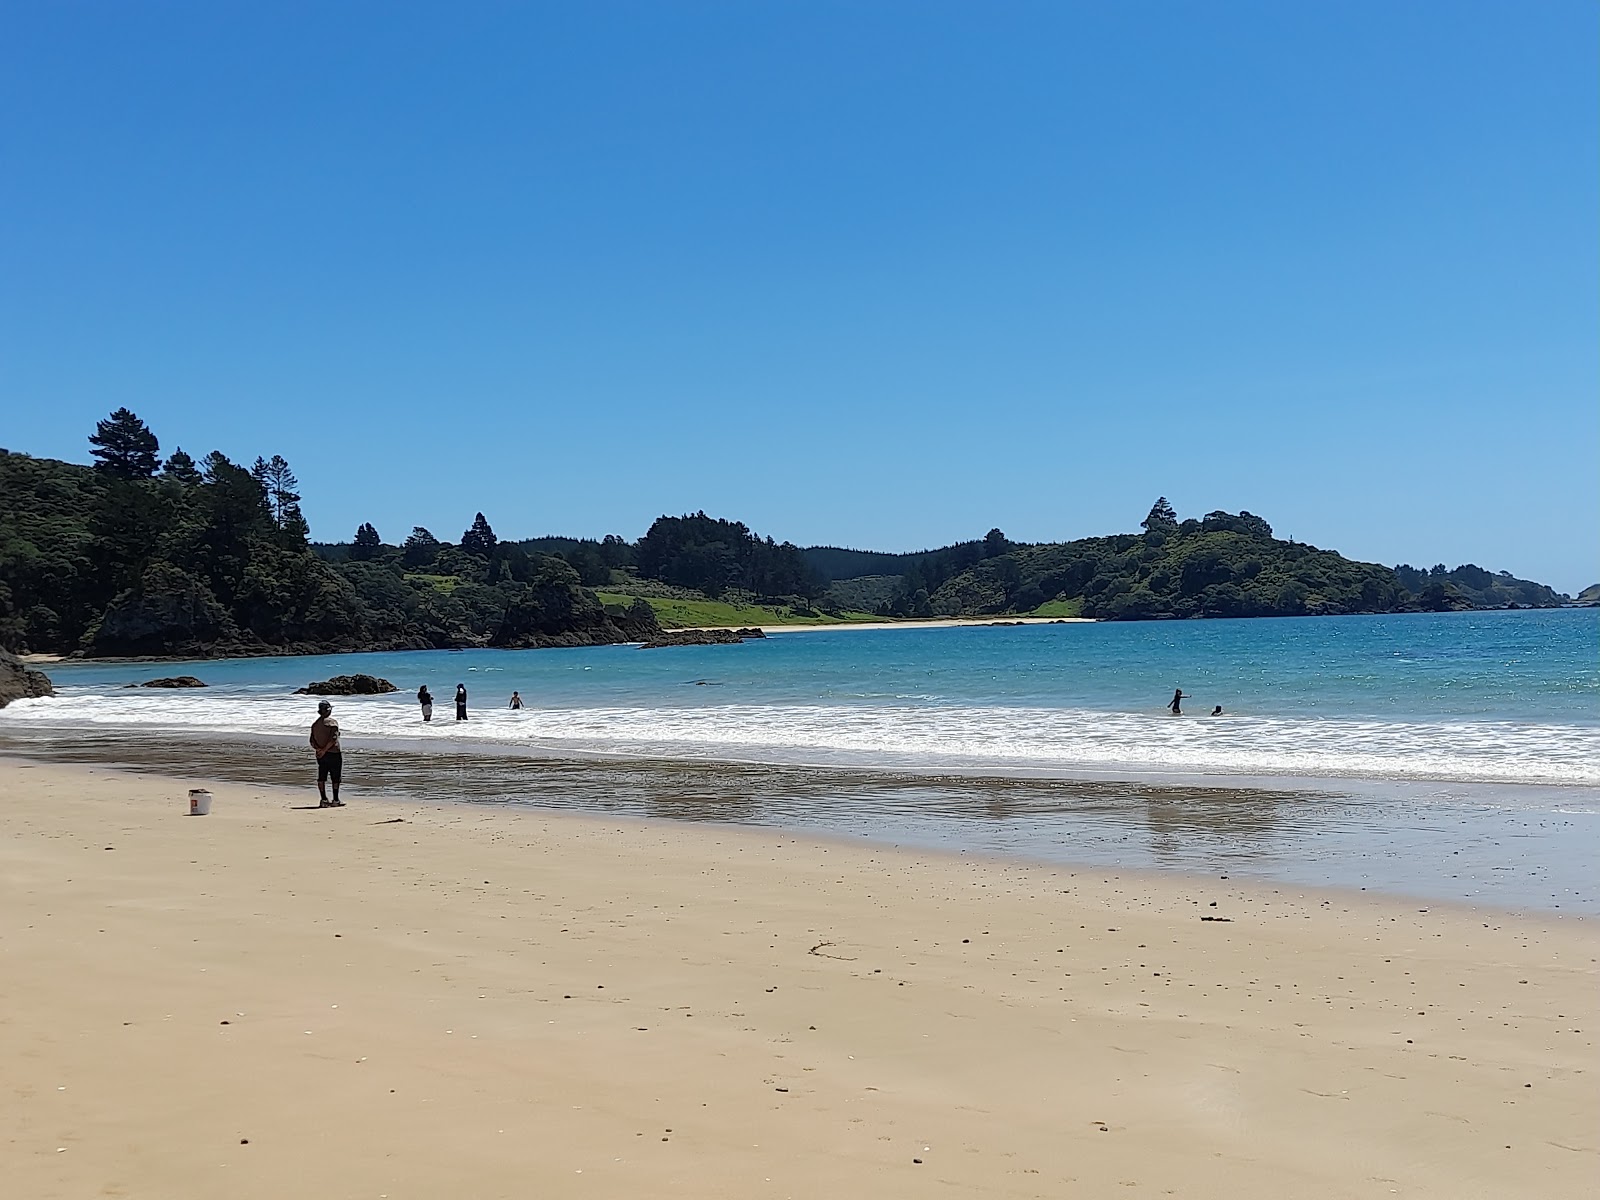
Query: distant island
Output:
(138,555)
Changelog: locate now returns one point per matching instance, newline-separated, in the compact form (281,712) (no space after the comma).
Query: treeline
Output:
(1221,565)
(1472,586)
(136,556)
(695,552)
(716,556)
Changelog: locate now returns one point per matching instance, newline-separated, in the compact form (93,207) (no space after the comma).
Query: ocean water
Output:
(1450,755)
(1482,697)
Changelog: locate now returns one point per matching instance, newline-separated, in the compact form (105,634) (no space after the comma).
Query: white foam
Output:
(897,735)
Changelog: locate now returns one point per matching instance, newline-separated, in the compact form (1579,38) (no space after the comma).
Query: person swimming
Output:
(1217,711)
(1176,707)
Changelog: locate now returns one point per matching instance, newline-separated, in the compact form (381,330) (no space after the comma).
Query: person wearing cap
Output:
(330,761)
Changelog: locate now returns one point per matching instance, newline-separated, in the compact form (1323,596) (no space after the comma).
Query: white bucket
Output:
(199,802)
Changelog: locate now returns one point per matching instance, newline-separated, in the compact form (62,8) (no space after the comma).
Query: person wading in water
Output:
(425,698)
(1177,702)
(461,702)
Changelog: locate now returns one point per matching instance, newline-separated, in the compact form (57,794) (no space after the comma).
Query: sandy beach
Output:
(934,623)
(394,1000)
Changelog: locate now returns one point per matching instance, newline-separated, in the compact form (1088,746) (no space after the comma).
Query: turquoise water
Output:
(1510,697)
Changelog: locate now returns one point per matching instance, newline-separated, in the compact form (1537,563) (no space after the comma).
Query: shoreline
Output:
(413,1000)
(909,623)
(45,660)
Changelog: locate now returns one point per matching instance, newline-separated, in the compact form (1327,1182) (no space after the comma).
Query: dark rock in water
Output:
(348,685)
(175,681)
(699,637)
(17,682)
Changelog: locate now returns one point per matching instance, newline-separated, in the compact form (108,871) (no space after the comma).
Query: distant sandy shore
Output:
(942,623)
(399,1001)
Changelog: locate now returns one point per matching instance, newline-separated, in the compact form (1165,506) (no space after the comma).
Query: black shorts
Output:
(330,766)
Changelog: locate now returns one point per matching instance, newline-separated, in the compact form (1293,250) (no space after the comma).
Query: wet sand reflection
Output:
(1313,835)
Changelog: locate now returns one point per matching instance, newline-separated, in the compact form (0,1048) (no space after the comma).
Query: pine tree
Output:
(296,532)
(125,447)
(480,539)
(366,543)
(181,469)
(420,549)
(279,484)
(1163,517)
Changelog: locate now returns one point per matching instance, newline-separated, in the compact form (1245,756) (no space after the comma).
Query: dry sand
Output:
(470,1002)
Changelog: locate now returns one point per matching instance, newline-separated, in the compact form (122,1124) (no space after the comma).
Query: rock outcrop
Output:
(173,681)
(18,682)
(700,637)
(348,685)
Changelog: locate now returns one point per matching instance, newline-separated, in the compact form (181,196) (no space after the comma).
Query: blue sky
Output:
(874,274)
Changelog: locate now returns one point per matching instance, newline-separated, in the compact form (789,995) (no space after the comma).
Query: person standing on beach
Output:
(425,698)
(461,702)
(1177,702)
(330,759)
(516,700)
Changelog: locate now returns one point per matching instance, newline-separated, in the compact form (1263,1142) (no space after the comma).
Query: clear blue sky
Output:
(874,274)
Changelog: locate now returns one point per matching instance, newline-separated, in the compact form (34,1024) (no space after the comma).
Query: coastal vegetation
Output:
(1221,565)
(136,555)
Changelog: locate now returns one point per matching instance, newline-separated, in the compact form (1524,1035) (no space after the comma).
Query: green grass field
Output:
(714,614)
(1059,608)
(439,583)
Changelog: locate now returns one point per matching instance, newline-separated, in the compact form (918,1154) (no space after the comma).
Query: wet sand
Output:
(400,1000)
(1507,848)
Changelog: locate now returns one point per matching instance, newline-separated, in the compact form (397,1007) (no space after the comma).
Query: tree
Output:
(180,468)
(480,539)
(366,544)
(125,447)
(713,555)
(420,549)
(279,484)
(615,552)
(995,544)
(1163,518)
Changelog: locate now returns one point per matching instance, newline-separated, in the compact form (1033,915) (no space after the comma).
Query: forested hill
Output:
(1221,565)
(134,556)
